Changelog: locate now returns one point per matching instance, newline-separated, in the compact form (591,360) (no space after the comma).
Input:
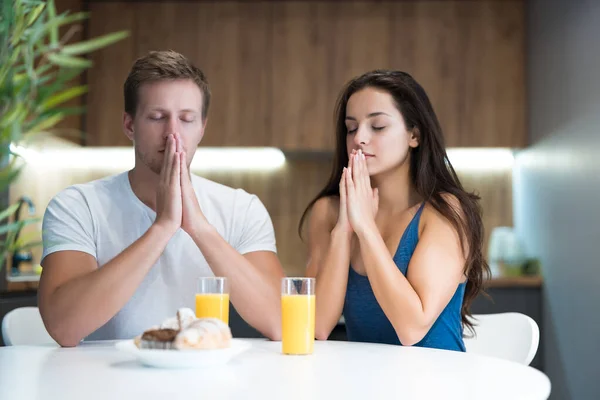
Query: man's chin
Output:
(155,167)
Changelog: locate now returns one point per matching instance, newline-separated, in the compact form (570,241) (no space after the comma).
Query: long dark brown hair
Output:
(431,172)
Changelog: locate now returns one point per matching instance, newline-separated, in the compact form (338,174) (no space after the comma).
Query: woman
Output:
(395,242)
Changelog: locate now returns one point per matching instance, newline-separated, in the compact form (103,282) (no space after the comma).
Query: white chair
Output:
(24,326)
(511,336)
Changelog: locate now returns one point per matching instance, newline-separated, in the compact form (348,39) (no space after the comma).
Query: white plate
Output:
(184,358)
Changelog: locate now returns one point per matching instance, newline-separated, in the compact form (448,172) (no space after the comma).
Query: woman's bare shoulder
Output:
(430,212)
(324,213)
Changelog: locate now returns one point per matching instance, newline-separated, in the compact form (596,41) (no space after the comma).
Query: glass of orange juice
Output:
(297,315)
(212,299)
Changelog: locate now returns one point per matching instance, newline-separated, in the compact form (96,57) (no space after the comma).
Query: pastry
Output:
(185,332)
(184,317)
(204,333)
(158,339)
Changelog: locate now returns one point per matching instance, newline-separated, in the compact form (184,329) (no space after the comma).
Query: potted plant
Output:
(38,66)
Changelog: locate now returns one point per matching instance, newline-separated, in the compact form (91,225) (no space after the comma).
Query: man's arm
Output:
(254,280)
(76,297)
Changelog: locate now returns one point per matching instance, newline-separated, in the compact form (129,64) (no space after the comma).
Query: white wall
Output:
(557,187)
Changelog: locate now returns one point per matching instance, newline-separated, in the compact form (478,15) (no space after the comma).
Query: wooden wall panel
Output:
(237,42)
(104,116)
(299,63)
(495,93)
(70,127)
(469,57)
(276,67)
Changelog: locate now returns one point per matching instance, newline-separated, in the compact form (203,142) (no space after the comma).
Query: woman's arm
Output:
(328,262)
(329,258)
(413,303)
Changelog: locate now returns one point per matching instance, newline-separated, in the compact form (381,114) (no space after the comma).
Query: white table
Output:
(336,370)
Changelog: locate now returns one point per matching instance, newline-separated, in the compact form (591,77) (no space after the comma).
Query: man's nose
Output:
(171,127)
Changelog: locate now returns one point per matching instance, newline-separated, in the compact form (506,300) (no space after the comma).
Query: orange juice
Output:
(298,323)
(213,306)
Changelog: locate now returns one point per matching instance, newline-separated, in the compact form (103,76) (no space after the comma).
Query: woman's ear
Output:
(413,140)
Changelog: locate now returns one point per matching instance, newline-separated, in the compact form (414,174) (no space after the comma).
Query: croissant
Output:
(204,333)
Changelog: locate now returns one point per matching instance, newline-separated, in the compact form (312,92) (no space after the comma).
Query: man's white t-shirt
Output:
(104,217)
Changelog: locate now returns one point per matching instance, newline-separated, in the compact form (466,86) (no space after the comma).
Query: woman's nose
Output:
(361,137)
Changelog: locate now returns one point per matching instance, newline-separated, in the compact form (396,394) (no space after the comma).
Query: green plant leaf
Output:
(19,23)
(41,81)
(6,71)
(9,211)
(19,78)
(68,61)
(37,73)
(11,227)
(66,111)
(55,23)
(18,113)
(36,118)
(6,16)
(25,245)
(42,69)
(63,96)
(46,123)
(53,29)
(35,14)
(8,175)
(94,44)
(65,75)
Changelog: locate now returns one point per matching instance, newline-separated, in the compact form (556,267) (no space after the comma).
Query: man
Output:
(125,252)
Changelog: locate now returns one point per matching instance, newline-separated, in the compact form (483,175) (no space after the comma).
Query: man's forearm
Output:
(80,306)
(255,294)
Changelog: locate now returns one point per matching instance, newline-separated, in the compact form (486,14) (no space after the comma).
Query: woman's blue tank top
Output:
(366,321)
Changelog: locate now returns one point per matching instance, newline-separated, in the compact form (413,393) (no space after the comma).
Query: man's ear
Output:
(128,125)
(203,129)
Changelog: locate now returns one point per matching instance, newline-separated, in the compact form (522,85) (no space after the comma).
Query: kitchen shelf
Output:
(516,281)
